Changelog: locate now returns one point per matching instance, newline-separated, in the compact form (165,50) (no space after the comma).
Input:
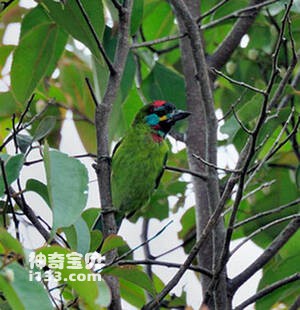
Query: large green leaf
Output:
(88,291)
(136,15)
(22,292)
(71,19)
(39,49)
(279,193)
(9,243)
(12,166)
(158,20)
(8,105)
(67,181)
(283,265)
(72,78)
(132,274)
(132,293)
(161,83)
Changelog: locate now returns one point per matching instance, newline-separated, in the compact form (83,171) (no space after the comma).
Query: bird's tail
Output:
(99,222)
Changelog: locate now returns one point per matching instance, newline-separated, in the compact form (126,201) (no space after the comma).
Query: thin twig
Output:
(263,228)
(265,213)
(25,112)
(6,186)
(268,254)
(29,214)
(202,176)
(214,166)
(117,5)
(267,290)
(92,92)
(158,41)
(94,34)
(212,10)
(120,258)
(249,132)
(237,14)
(165,264)
(242,84)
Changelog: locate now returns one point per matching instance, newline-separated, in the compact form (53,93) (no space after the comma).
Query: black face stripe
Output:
(165,109)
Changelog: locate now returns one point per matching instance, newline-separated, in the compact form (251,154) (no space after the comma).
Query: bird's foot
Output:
(95,165)
(111,210)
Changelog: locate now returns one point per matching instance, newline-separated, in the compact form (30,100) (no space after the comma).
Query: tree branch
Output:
(94,34)
(202,176)
(265,213)
(269,289)
(165,264)
(29,214)
(102,166)
(232,41)
(268,254)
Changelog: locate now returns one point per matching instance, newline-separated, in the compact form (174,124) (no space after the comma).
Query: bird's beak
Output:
(178,115)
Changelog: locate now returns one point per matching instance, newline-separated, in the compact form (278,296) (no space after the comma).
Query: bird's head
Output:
(160,116)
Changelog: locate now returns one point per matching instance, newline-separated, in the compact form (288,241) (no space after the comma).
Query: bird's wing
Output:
(157,181)
(116,147)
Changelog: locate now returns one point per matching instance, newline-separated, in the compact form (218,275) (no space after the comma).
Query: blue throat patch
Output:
(152,119)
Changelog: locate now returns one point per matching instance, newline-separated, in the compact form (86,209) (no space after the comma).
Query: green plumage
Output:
(136,166)
(138,160)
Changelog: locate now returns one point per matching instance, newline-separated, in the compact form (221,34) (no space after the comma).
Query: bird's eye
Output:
(160,113)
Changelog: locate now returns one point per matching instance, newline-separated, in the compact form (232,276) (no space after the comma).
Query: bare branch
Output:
(265,213)
(212,10)
(202,176)
(249,132)
(94,34)
(165,264)
(269,289)
(215,166)
(102,167)
(242,84)
(268,254)
(29,214)
(263,228)
(157,41)
(231,42)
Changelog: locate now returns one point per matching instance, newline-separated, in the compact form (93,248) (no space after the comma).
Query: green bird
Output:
(138,159)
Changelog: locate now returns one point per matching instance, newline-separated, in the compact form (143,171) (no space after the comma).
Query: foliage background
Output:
(48,62)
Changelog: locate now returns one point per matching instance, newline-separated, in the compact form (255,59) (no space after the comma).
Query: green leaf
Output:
(71,19)
(83,236)
(298,177)
(67,181)
(132,274)
(44,128)
(112,242)
(90,216)
(158,20)
(22,293)
(39,49)
(8,105)
(247,114)
(9,243)
(279,193)
(5,50)
(161,83)
(104,298)
(78,236)
(24,142)
(72,78)
(132,293)
(136,16)
(13,166)
(283,265)
(38,187)
(88,291)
